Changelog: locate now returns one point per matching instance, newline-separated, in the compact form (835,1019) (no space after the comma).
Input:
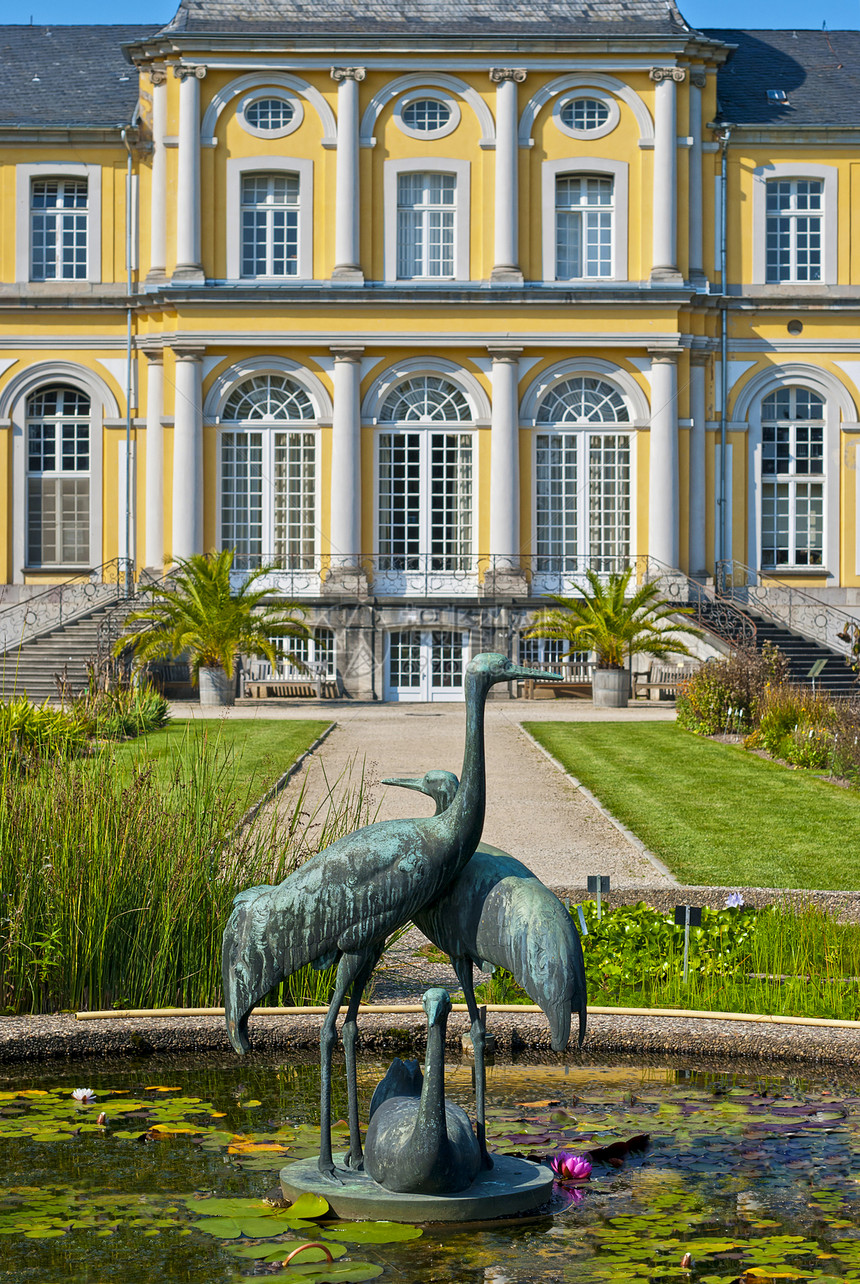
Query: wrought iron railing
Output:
(707,608)
(59,604)
(112,624)
(787,606)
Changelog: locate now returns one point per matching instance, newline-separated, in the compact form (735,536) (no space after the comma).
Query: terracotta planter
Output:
(610,688)
(216,688)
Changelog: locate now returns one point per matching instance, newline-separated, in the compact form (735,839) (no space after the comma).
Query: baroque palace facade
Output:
(429,307)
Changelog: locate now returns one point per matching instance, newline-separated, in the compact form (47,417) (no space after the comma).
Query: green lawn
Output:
(254,754)
(715,813)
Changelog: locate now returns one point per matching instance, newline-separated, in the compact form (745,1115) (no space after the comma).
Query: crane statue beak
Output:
(406,782)
(519,671)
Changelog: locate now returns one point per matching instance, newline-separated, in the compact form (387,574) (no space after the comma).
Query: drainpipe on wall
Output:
(723,540)
(129,560)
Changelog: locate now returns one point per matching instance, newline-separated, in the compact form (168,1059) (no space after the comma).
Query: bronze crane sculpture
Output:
(342,904)
(496,912)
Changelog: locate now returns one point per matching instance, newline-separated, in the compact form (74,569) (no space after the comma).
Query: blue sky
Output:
(702,13)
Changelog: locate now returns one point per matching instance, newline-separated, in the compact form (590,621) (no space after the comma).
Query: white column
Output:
(188,453)
(665,209)
(188,267)
(697,265)
(698,408)
(663,487)
(158,196)
(506,269)
(346,459)
(154,512)
(347,255)
(505,461)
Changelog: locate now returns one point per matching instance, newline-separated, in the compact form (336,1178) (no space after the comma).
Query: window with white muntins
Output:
(583,226)
(426,211)
(425,477)
(317,652)
(582,478)
(794,229)
(269,488)
(58,229)
(58,477)
(270,225)
(793,478)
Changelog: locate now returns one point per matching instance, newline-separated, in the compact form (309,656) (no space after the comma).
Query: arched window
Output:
(58,477)
(269,474)
(425,484)
(582,478)
(793,478)
(270,225)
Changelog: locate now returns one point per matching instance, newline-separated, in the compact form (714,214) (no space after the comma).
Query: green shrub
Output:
(122,712)
(31,733)
(727,695)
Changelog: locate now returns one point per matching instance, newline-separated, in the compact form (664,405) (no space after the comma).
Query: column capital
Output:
(665,356)
(699,358)
(659,74)
(339,74)
(347,352)
(155,356)
(188,351)
(182,70)
(517,74)
(504,352)
(698,77)
(158,76)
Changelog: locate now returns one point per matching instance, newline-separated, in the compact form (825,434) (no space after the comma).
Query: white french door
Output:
(425,665)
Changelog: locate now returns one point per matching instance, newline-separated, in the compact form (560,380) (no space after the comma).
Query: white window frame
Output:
(461,169)
(237,168)
(58,474)
(24,176)
(576,166)
(425,430)
(587,135)
(828,175)
(427,135)
(270,92)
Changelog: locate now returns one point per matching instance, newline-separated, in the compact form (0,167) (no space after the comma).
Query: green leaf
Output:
(332,1273)
(234,1227)
(309,1205)
(266,1253)
(374,1232)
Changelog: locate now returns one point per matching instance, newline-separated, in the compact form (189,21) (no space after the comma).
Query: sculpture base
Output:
(512,1186)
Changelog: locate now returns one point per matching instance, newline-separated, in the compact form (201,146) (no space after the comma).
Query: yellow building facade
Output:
(429,311)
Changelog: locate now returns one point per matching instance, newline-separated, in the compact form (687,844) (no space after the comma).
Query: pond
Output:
(757,1177)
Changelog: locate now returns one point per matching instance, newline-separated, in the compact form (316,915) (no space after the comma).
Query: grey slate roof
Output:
(431,17)
(67,76)
(819,71)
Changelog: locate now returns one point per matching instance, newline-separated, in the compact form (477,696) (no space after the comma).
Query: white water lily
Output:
(84,1095)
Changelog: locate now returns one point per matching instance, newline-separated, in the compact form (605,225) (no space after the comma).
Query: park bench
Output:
(576,683)
(291,688)
(661,677)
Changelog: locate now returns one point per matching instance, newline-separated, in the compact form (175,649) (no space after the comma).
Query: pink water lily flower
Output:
(84,1095)
(570,1167)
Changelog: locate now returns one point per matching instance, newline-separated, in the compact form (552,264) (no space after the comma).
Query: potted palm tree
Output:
(604,619)
(197,614)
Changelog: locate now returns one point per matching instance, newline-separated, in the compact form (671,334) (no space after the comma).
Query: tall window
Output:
(269,474)
(58,477)
(792,478)
(270,225)
(582,478)
(58,229)
(426,502)
(316,651)
(425,225)
(583,226)
(794,229)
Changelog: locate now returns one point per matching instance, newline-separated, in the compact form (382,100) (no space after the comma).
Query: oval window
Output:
(269,114)
(584,114)
(425,115)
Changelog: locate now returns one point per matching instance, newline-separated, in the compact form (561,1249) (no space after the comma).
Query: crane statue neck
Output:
(431,1120)
(465,816)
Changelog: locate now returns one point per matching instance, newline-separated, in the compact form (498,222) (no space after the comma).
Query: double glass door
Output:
(425,665)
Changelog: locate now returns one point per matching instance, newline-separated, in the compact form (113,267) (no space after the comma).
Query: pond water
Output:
(757,1177)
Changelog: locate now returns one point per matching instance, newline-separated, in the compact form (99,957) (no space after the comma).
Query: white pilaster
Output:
(188,453)
(346,459)
(663,487)
(188,267)
(665,209)
(347,253)
(506,269)
(697,267)
(154,512)
(505,461)
(158,197)
(698,410)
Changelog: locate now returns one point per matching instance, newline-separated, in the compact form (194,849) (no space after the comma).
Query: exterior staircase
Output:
(836,676)
(35,668)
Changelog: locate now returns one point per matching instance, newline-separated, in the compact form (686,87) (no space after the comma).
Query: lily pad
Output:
(308,1205)
(266,1253)
(330,1273)
(373,1232)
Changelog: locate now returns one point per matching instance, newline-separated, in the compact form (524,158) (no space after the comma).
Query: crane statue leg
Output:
(349,1036)
(463,968)
(349,968)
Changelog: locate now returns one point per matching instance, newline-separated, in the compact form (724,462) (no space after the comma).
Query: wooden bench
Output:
(534,690)
(662,677)
(291,689)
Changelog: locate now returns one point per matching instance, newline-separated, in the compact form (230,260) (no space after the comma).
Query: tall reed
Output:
(114,891)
